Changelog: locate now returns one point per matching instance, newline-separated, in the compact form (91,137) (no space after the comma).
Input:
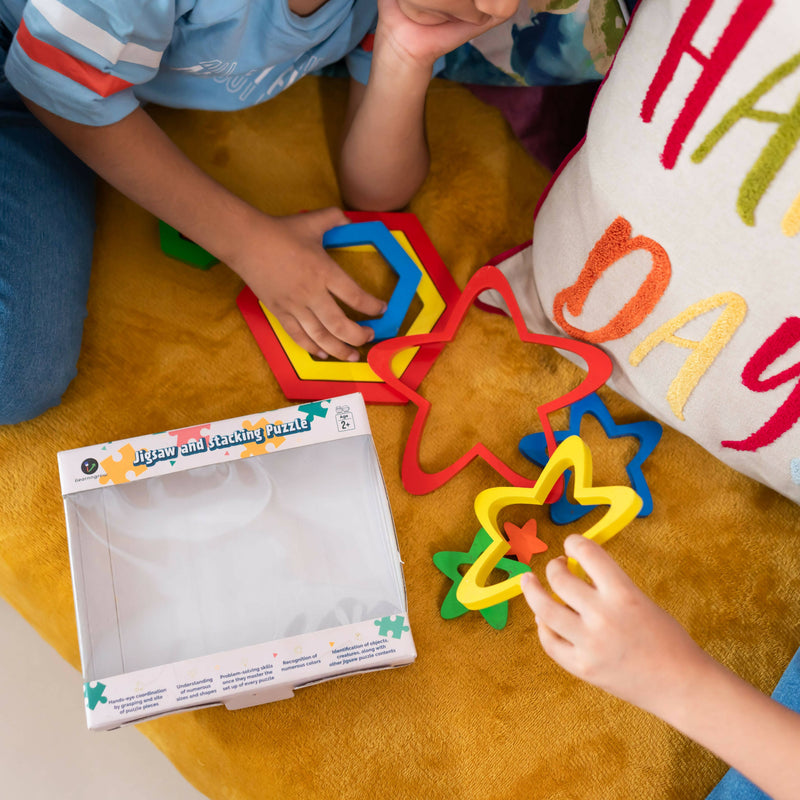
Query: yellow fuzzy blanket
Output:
(481,713)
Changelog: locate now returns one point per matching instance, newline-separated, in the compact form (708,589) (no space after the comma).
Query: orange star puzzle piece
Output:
(524,542)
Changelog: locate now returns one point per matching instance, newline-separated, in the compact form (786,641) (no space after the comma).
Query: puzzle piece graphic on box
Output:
(316,409)
(393,625)
(260,448)
(117,469)
(192,434)
(94,694)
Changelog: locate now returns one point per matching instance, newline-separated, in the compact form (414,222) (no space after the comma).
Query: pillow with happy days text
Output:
(671,237)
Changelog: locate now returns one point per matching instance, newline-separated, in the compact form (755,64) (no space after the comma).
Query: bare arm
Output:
(384,157)
(281,259)
(611,635)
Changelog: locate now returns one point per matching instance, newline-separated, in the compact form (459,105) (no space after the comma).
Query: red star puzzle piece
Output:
(415,479)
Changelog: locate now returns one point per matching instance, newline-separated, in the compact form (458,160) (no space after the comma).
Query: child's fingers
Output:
(558,648)
(338,282)
(318,331)
(326,218)
(535,594)
(300,337)
(597,564)
(338,324)
(575,592)
(559,618)
(349,292)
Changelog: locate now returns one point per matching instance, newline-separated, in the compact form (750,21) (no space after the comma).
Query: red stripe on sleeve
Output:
(79,71)
(368,43)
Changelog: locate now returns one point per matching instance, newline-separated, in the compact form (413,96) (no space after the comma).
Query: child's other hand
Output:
(424,30)
(610,634)
(287,268)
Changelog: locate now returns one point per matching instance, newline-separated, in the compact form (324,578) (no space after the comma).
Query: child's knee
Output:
(22,402)
(32,383)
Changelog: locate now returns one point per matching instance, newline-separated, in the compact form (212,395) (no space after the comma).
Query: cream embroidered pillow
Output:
(671,238)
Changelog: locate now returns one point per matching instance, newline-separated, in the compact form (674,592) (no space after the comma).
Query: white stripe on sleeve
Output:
(72,25)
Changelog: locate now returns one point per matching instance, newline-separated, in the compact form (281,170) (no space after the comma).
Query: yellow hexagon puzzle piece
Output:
(573,453)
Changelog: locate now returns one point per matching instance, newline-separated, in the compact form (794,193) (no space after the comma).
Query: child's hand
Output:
(287,268)
(610,634)
(424,30)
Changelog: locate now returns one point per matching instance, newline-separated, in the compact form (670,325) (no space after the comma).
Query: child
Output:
(82,69)
(611,635)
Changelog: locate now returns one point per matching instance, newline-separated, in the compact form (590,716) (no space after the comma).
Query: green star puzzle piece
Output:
(448,562)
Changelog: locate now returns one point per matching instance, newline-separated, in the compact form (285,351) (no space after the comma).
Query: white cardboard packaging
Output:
(232,562)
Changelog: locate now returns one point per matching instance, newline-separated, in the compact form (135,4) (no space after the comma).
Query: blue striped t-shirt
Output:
(94,62)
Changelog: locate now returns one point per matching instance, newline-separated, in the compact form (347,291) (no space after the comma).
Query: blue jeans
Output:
(735,786)
(46,238)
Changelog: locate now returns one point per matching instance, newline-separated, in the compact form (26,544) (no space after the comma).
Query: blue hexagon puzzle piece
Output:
(375,233)
(648,432)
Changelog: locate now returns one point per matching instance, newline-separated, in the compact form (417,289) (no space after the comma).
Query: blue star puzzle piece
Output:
(648,432)
(449,561)
(375,233)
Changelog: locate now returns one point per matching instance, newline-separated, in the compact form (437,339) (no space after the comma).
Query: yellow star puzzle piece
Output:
(573,453)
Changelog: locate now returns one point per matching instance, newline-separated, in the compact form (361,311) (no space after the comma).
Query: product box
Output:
(232,562)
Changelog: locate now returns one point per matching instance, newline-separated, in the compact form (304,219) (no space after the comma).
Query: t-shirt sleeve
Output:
(81,60)
(358,61)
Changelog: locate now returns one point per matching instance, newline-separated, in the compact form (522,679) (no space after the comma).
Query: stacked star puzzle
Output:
(407,250)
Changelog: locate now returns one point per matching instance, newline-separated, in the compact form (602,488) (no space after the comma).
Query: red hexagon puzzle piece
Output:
(302,388)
